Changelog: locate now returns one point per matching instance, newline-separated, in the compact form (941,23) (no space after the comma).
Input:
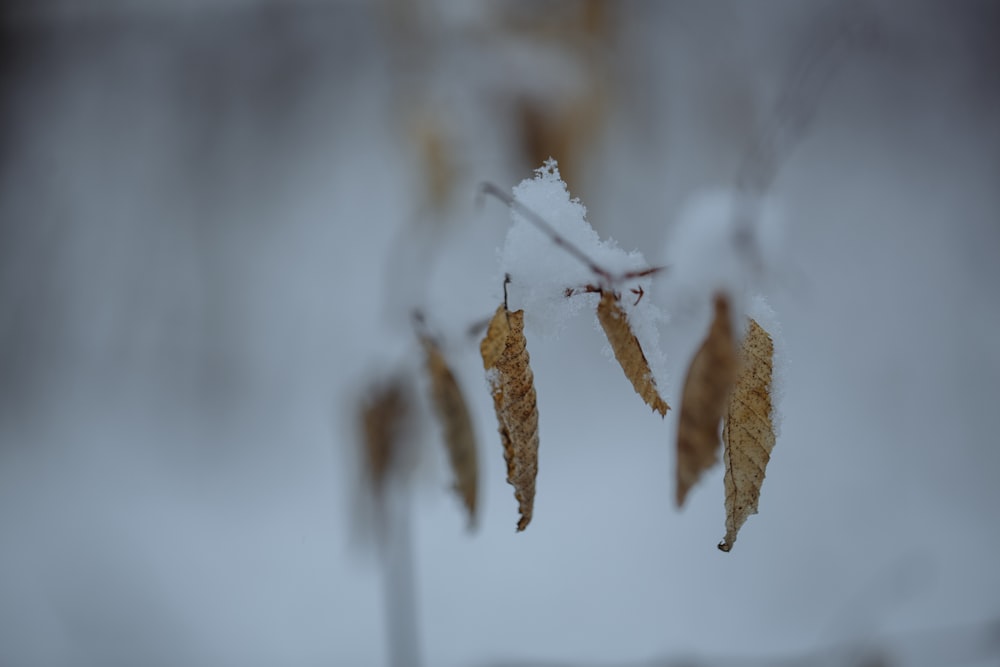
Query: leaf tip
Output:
(661,407)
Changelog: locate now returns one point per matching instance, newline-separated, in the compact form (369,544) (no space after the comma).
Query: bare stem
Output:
(400,587)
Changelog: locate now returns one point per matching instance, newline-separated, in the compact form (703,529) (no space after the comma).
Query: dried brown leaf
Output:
(452,412)
(565,128)
(706,390)
(749,430)
(627,351)
(383,415)
(505,357)
(495,340)
(437,168)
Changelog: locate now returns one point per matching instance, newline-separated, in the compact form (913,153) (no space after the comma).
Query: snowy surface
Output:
(194,291)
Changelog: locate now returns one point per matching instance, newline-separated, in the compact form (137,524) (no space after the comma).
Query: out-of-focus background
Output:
(216,216)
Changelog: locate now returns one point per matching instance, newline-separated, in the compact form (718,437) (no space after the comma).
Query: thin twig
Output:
(538,221)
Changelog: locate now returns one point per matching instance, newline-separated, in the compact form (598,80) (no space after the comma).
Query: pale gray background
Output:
(198,205)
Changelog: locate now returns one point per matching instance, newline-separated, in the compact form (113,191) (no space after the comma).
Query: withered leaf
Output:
(438,166)
(452,412)
(495,341)
(505,358)
(706,390)
(383,416)
(749,430)
(627,350)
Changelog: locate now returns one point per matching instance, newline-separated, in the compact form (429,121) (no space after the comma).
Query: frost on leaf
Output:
(505,358)
(703,403)
(452,412)
(748,435)
(627,350)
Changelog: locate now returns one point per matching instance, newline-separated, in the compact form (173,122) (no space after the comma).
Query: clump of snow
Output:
(724,241)
(542,271)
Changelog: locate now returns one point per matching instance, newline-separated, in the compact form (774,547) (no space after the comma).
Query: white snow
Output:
(724,240)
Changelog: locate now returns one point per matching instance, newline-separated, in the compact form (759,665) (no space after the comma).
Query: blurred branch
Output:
(399,582)
(833,42)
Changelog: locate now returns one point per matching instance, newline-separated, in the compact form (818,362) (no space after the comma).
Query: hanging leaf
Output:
(495,341)
(703,403)
(749,430)
(383,416)
(627,350)
(437,160)
(452,412)
(505,358)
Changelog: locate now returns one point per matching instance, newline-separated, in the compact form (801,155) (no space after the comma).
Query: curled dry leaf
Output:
(703,403)
(383,417)
(627,350)
(749,431)
(452,412)
(505,358)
